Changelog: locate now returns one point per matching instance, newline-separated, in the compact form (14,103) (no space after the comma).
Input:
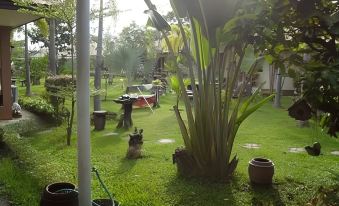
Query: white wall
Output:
(264,77)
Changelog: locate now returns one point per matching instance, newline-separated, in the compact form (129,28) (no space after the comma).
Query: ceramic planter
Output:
(261,171)
(59,194)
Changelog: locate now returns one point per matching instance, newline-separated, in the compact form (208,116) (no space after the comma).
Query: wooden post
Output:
(5,67)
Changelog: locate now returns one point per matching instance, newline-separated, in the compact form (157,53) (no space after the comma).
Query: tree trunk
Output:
(72,51)
(27,68)
(51,48)
(70,122)
(99,63)
(277,101)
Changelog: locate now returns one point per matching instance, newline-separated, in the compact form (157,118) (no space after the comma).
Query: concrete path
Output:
(3,202)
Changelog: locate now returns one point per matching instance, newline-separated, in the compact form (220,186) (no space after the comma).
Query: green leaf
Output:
(158,21)
(250,61)
(203,46)
(254,108)
(237,21)
(248,101)
(279,48)
(43,27)
(175,84)
(269,58)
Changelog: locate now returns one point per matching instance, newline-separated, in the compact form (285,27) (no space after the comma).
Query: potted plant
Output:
(212,59)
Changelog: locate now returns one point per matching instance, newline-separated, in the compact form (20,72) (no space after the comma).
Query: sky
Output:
(131,10)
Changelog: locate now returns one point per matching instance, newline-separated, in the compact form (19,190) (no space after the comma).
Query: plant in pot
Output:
(218,52)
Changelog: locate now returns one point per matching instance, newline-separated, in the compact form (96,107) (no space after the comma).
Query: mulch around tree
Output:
(4,202)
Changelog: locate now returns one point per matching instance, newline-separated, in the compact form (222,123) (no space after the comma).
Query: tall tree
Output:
(132,36)
(52,51)
(27,69)
(99,62)
(111,11)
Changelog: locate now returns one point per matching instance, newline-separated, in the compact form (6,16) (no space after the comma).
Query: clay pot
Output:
(261,171)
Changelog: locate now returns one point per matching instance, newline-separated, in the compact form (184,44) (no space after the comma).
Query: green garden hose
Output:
(101,183)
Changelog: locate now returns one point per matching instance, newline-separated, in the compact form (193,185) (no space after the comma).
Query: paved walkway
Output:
(26,123)
(4,202)
(25,115)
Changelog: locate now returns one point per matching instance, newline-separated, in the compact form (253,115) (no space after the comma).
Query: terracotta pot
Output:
(261,171)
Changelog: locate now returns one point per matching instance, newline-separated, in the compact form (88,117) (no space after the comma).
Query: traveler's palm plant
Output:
(217,53)
(125,60)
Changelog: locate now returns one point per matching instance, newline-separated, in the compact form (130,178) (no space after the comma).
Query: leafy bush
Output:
(38,67)
(59,81)
(41,107)
(61,88)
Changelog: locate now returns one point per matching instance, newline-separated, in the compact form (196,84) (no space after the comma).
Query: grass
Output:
(153,179)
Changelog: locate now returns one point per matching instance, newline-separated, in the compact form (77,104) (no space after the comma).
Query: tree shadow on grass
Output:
(194,191)
(108,138)
(126,165)
(266,195)
(330,195)
(335,175)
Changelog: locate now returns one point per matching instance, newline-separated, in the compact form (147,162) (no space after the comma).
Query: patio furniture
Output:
(145,100)
(23,82)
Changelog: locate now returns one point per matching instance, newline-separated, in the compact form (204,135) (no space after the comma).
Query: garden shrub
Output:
(59,81)
(38,67)
(41,107)
(61,88)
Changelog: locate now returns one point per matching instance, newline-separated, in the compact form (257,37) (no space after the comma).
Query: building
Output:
(10,18)
(268,76)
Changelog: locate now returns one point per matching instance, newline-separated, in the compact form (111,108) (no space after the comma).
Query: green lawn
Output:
(43,157)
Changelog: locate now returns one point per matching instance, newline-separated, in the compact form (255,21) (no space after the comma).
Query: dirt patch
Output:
(4,202)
